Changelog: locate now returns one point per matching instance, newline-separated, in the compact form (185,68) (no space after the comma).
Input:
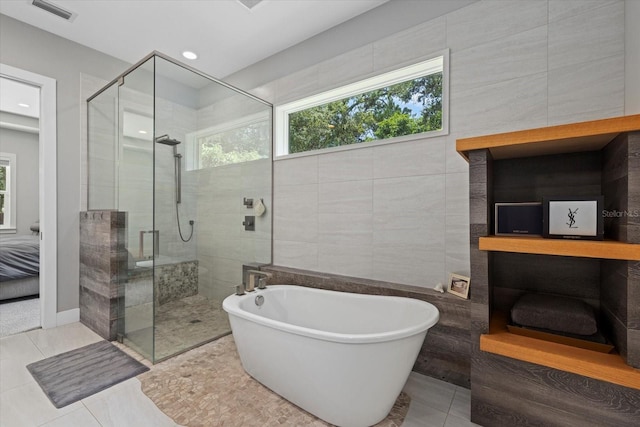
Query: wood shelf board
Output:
(570,138)
(605,249)
(600,366)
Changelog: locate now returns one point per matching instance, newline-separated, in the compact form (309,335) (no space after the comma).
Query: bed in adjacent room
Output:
(19,266)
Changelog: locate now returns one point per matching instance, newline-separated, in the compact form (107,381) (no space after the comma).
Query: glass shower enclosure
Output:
(181,153)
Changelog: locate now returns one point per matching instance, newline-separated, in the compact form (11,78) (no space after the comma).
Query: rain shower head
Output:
(164,139)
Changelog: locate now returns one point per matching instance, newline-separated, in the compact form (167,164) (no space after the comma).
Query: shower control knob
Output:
(249,223)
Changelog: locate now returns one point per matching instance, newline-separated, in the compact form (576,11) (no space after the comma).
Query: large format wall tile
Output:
(587,36)
(485,21)
(418,267)
(457,244)
(588,91)
(296,213)
(420,157)
(345,197)
(457,193)
(350,165)
(297,85)
(408,230)
(237,248)
(297,171)
(302,255)
(409,248)
(345,229)
(505,106)
(424,194)
(454,162)
(507,58)
(561,9)
(223,245)
(346,68)
(416,42)
(348,260)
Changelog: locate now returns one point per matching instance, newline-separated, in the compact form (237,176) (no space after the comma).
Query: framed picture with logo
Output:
(578,218)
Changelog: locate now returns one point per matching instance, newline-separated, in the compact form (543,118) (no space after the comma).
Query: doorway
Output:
(47,189)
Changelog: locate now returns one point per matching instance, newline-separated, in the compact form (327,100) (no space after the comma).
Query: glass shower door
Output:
(135,197)
(216,153)
(185,316)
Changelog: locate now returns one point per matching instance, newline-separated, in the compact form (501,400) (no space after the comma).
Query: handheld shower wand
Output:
(178,159)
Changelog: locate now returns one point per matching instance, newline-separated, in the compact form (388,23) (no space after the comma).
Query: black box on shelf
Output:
(518,219)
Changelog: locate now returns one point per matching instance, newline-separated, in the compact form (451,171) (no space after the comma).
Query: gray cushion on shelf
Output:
(556,313)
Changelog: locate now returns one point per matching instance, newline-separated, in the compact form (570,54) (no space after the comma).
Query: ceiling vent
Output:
(250,4)
(52,8)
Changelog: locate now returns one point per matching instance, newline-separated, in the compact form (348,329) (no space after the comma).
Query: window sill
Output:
(8,230)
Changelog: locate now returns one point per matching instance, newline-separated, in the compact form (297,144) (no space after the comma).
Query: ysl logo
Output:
(572,218)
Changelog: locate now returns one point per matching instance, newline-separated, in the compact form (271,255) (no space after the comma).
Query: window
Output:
(7,191)
(390,107)
(243,140)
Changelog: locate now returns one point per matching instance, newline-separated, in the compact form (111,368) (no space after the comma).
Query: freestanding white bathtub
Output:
(343,357)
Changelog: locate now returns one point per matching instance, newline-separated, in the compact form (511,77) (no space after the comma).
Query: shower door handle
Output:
(156,243)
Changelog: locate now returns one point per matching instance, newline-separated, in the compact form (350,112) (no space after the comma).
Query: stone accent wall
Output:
(103,261)
(173,282)
(105,274)
(176,281)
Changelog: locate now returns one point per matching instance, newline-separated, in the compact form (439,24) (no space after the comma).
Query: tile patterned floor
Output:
(22,402)
(180,325)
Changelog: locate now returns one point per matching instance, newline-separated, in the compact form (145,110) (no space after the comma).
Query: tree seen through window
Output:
(406,108)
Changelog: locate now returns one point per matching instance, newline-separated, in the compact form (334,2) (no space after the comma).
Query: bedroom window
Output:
(7,192)
(391,107)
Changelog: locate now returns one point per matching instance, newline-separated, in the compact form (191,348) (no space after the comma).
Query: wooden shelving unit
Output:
(592,364)
(607,249)
(605,367)
(600,156)
(571,138)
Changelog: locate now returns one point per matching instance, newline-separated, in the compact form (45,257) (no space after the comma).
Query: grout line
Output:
(35,345)
(453,397)
(91,413)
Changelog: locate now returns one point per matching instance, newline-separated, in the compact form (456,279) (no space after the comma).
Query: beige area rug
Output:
(208,387)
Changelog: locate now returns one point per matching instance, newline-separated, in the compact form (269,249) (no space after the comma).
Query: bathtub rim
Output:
(231,306)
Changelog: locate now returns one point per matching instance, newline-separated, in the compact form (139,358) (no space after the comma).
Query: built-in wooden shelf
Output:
(604,249)
(570,138)
(588,363)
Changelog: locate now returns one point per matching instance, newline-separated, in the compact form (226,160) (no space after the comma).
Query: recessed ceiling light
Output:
(144,132)
(23,105)
(250,4)
(189,55)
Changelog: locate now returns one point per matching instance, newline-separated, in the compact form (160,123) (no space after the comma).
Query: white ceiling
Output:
(225,34)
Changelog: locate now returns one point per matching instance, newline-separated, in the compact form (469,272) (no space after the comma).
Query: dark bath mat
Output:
(74,375)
